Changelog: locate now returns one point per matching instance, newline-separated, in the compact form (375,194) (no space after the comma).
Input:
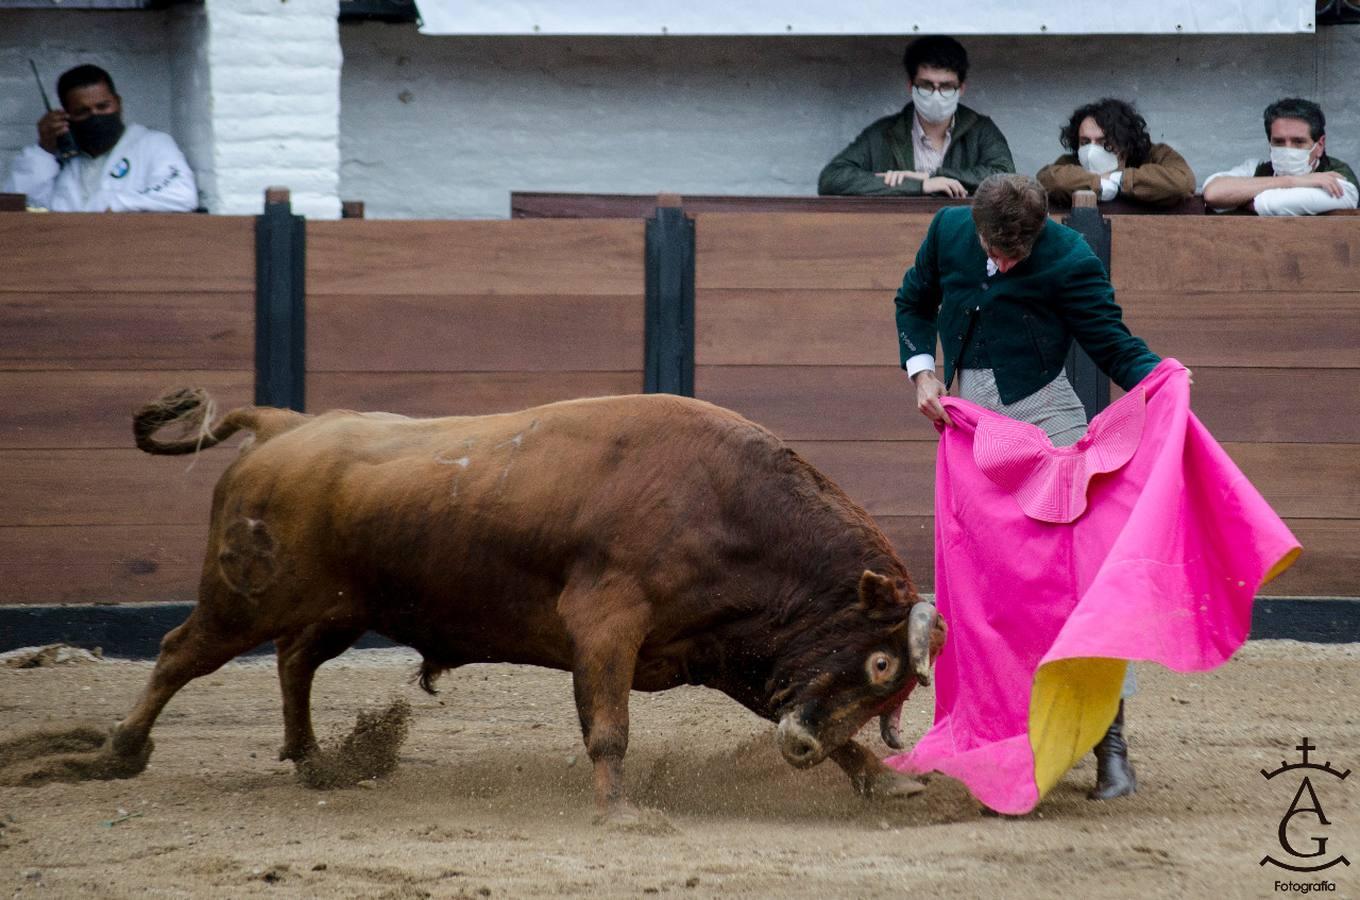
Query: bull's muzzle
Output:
(799,746)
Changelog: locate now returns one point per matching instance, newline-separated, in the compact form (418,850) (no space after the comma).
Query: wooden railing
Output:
(792,327)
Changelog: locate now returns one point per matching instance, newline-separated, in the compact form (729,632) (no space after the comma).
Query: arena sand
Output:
(490,796)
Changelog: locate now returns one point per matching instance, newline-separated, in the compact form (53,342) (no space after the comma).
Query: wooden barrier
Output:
(1267,314)
(100,313)
(475,317)
(545,205)
(97,315)
(792,328)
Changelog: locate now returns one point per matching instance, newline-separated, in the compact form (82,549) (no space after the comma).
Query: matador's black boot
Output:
(1114,773)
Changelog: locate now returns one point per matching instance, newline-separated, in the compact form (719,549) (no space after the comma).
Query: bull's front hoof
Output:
(891,785)
(624,816)
(297,754)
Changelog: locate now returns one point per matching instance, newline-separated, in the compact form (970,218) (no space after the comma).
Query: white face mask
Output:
(1292,160)
(1096,159)
(933,107)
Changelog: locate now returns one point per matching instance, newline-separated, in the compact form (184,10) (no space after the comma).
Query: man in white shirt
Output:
(1299,179)
(120,168)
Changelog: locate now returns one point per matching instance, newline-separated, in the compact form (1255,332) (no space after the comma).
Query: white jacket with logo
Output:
(144,172)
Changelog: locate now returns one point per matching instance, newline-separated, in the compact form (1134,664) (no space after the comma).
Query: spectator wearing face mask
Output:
(1111,153)
(120,167)
(934,145)
(1299,178)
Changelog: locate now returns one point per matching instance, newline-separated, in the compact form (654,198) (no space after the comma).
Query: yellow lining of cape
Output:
(1285,562)
(1074,701)
(1071,706)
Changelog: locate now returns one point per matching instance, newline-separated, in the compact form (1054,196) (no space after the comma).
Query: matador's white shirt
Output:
(144,172)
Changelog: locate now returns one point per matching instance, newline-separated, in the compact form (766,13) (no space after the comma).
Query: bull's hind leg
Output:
(301,653)
(200,646)
(607,624)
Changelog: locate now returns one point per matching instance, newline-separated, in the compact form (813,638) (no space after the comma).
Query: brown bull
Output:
(638,542)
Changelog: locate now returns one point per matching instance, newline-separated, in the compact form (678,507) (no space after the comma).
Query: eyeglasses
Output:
(946,91)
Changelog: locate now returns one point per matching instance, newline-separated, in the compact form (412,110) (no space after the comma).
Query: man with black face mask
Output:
(120,168)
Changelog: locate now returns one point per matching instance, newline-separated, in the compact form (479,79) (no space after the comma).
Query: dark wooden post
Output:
(668,366)
(280,303)
(1091,385)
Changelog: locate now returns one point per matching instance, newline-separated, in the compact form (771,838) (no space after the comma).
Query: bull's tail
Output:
(192,411)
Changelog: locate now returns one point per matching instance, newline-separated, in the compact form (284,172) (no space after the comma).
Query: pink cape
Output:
(1054,566)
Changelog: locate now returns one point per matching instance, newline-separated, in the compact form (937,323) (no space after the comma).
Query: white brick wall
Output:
(438,127)
(447,127)
(192,104)
(275,101)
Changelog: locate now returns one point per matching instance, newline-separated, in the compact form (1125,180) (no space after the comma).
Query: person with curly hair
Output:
(1111,153)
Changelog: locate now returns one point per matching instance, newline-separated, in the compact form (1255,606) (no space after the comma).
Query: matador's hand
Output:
(929,390)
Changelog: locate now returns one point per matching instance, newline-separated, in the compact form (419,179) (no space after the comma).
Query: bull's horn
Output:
(920,623)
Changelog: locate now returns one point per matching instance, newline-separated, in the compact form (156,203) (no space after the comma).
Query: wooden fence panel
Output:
(805,251)
(475,333)
(99,314)
(1235,254)
(872,403)
(115,330)
(91,409)
(461,393)
(108,487)
(359,256)
(1248,329)
(127,563)
(468,318)
(758,327)
(793,328)
(136,253)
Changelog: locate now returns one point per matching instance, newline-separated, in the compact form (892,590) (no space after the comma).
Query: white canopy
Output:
(894,17)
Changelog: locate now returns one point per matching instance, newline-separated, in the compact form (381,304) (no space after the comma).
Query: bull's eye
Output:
(882,667)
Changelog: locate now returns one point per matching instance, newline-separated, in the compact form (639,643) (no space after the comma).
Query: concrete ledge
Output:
(134,630)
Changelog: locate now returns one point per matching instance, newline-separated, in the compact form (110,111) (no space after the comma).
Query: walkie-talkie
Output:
(66,143)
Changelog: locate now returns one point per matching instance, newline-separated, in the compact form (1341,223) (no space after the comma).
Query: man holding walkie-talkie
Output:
(88,160)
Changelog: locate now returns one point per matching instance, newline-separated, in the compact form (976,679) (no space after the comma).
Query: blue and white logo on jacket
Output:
(121,169)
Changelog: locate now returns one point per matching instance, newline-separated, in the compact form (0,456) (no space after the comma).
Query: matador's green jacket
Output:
(1030,315)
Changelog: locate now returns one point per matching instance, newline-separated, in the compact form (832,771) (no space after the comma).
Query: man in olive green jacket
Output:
(933,146)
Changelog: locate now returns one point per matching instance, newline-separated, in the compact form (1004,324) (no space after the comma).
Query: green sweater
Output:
(1030,314)
(977,149)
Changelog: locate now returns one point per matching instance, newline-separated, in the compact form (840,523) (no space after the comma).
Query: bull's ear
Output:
(876,590)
